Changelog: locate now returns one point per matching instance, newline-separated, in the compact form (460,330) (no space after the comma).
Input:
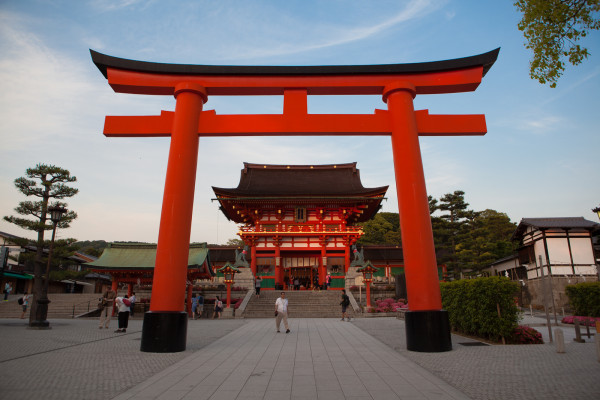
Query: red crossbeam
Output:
(213,125)
(455,81)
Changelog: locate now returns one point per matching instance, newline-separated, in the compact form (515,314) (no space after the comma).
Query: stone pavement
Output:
(320,358)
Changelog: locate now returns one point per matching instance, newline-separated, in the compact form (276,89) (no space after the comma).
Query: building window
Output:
(300,214)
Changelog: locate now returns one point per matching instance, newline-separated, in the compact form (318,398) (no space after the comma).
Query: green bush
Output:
(585,298)
(472,306)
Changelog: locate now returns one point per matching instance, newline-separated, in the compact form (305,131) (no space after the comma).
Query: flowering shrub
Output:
(388,305)
(589,321)
(525,335)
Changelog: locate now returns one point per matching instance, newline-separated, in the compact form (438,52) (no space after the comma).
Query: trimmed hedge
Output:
(585,298)
(472,306)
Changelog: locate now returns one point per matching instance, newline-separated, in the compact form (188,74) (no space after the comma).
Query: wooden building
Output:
(299,221)
(133,264)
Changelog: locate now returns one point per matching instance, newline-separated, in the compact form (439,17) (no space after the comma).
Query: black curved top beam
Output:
(103,62)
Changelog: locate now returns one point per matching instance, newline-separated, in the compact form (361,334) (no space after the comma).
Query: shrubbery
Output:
(585,298)
(473,304)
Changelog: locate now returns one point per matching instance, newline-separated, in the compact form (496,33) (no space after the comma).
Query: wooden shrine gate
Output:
(165,325)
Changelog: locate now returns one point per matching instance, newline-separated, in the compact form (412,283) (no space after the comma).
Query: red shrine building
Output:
(300,221)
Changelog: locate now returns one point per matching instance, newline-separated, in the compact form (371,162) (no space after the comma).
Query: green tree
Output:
(485,238)
(383,229)
(552,29)
(91,247)
(451,227)
(235,242)
(46,182)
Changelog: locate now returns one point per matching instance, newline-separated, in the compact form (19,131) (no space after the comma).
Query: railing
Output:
(303,229)
(78,304)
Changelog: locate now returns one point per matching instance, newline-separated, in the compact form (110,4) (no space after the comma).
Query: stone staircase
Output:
(302,304)
(62,305)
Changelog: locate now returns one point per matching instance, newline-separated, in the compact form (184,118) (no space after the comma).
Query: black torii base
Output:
(164,332)
(428,331)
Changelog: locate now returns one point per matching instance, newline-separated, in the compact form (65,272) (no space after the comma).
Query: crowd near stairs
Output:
(302,304)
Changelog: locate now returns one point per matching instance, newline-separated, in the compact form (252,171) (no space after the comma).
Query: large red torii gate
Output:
(165,325)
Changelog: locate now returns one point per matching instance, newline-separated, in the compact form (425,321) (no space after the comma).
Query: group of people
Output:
(125,306)
(197,305)
(296,283)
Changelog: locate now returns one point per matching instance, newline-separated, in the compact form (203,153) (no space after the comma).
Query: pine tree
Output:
(46,182)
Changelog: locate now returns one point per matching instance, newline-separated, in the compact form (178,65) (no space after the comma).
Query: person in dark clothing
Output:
(345,303)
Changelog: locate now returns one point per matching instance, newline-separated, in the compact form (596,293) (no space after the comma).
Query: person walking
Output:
(123,306)
(345,303)
(106,307)
(7,290)
(194,305)
(200,306)
(25,304)
(257,286)
(296,283)
(328,281)
(281,312)
(218,308)
(132,300)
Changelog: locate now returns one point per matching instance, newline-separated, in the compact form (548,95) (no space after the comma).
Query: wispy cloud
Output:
(565,91)
(309,36)
(112,5)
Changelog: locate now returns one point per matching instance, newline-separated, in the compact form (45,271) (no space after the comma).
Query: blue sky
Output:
(538,159)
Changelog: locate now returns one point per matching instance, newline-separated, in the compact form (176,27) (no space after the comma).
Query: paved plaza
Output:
(320,358)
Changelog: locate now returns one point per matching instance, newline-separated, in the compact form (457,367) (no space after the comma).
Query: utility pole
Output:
(545,295)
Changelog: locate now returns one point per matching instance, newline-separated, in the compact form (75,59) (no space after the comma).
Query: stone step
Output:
(303,304)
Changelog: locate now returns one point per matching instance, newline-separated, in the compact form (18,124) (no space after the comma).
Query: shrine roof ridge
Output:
(104,61)
(351,165)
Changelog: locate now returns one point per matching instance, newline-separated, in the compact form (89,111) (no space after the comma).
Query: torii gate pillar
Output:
(165,325)
(427,325)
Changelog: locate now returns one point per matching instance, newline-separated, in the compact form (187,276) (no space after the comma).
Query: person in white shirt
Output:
(281,312)
(123,306)
(25,304)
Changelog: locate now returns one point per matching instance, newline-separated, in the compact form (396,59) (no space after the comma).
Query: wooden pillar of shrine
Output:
(253,259)
(427,325)
(278,266)
(323,263)
(347,256)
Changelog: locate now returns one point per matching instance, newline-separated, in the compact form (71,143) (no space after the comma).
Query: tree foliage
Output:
(552,29)
(91,247)
(235,242)
(383,229)
(45,182)
(464,239)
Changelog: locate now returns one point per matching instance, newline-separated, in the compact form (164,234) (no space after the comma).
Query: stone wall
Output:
(532,292)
